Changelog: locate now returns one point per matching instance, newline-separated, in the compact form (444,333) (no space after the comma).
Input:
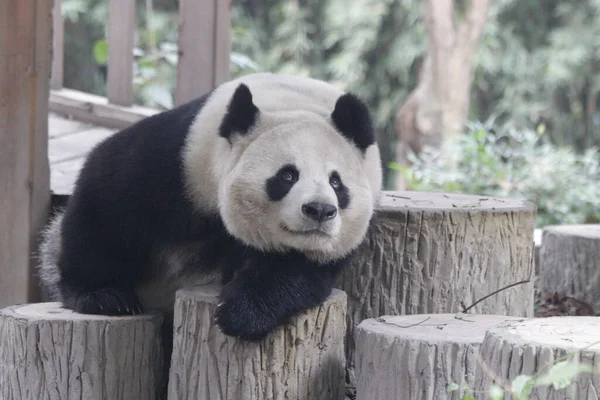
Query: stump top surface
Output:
(55,311)
(468,328)
(398,200)
(589,231)
(210,293)
(558,332)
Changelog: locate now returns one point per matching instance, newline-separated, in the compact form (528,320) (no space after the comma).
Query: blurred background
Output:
(486,97)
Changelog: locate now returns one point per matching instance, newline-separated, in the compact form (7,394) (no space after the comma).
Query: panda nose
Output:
(319,211)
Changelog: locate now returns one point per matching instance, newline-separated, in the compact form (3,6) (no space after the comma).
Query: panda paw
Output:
(237,317)
(108,301)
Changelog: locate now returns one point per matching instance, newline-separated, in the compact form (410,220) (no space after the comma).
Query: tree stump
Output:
(528,348)
(570,262)
(301,360)
(51,353)
(419,356)
(430,253)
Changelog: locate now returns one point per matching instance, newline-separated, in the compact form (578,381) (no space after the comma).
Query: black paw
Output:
(239,317)
(109,301)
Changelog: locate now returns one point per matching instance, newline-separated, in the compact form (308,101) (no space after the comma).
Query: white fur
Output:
(294,126)
(49,252)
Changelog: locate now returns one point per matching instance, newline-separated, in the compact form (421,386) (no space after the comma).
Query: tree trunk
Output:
(50,353)
(438,107)
(431,253)
(416,357)
(301,360)
(529,347)
(570,262)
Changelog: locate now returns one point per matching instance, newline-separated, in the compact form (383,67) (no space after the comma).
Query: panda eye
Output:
(335,182)
(287,176)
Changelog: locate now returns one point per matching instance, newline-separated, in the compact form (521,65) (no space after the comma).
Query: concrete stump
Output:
(570,262)
(302,360)
(531,346)
(429,253)
(418,357)
(50,353)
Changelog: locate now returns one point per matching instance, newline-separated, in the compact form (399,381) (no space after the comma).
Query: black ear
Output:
(241,113)
(351,117)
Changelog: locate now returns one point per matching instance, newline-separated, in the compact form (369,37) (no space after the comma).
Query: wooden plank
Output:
(94,109)
(64,175)
(121,26)
(25,58)
(204,47)
(76,145)
(59,126)
(58,31)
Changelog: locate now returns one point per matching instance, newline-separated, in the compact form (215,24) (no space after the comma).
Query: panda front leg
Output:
(257,300)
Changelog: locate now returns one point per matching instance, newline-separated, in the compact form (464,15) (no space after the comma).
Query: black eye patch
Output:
(279,185)
(341,191)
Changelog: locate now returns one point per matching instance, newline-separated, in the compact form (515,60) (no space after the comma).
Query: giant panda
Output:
(267,183)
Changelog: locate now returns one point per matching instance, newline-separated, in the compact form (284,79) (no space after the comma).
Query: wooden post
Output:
(48,352)
(419,356)
(121,28)
(58,45)
(204,47)
(429,253)
(301,360)
(25,57)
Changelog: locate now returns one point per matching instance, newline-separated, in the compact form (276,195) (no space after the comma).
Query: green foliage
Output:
(539,63)
(101,51)
(517,163)
(560,375)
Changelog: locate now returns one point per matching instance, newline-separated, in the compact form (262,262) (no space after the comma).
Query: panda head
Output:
(298,178)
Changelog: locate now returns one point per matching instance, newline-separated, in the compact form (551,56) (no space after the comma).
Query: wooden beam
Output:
(121,26)
(58,45)
(204,47)
(94,109)
(25,58)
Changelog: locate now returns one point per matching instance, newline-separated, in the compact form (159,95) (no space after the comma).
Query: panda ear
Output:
(351,117)
(241,113)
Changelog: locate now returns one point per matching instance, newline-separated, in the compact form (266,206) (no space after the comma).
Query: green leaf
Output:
(495,392)
(562,373)
(522,386)
(452,386)
(101,51)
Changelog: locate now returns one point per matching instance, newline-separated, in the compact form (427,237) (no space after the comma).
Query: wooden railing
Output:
(203,62)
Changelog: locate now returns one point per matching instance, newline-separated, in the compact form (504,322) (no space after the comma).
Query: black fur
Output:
(351,117)
(241,113)
(279,185)
(129,199)
(342,192)
(269,289)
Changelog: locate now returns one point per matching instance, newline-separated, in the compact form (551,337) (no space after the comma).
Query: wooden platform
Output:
(69,143)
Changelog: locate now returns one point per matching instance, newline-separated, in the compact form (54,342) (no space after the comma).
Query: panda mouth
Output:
(306,232)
